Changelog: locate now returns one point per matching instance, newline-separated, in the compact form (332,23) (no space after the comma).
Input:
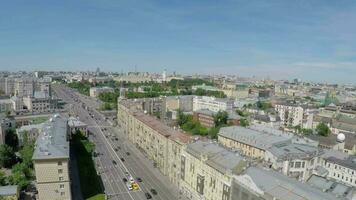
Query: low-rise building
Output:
(9,192)
(342,169)
(206,118)
(51,160)
(96,91)
(250,142)
(294,160)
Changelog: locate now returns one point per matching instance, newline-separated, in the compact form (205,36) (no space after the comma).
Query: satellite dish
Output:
(341,137)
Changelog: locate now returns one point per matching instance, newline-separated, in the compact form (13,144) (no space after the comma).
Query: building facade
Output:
(51,160)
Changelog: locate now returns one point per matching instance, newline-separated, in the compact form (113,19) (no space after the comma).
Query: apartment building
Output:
(212,103)
(159,142)
(96,91)
(51,160)
(207,170)
(291,115)
(250,142)
(40,103)
(295,160)
(24,87)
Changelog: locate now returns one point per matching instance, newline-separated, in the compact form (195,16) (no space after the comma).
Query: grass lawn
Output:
(90,183)
(39,120)
(97,197)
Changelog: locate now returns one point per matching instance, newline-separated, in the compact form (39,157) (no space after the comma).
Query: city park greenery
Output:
(21,166)
(186,123)
(90,182)
(147,90)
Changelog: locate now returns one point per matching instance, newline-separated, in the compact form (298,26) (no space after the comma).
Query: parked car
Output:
(153,191)
(148,195)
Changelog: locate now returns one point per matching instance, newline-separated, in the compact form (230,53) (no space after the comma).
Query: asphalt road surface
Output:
(114,163)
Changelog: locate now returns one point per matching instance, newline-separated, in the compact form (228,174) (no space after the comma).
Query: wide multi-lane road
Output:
(117,157)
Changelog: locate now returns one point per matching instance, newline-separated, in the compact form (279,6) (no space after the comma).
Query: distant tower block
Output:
(164,75)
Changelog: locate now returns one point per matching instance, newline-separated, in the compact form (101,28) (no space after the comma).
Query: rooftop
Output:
(216,156)
(294,151)
(285,188)
(332,187)
(8,190)
(258,139)
(52,141)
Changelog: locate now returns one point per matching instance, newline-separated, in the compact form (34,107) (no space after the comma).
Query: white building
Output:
(212,103)
(96,91)
(291,115)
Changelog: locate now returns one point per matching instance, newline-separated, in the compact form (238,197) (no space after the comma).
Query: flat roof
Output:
(294,151)
(219,158)
(258,139)
(8,190)
(285,188)
(52,141)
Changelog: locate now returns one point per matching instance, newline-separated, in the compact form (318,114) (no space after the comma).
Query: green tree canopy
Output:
(7,156)
(11,138)
(323,130)
(220,118)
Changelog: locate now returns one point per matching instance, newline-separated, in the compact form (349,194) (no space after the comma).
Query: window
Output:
(61,186)
(63,193)
(60,171)
(60,163)
(61,178)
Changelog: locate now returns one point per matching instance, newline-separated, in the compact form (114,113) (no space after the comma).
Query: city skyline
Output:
(309,40)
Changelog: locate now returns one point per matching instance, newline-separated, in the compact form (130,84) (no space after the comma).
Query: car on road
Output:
(126,173)
(116,149)
(129,186)
(138,179)
(114,162)
(131,180)
(124,179)
(153,191)
(122,159)
(148,195)
(128,153)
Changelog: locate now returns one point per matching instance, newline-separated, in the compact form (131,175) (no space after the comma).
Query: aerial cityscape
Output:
(177,100)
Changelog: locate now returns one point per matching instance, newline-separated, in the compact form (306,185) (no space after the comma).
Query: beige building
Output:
(207,170)
(249,142)
(51,160)
(159,142)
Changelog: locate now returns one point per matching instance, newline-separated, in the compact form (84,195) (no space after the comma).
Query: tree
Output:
(7,156)
(11,138)
(244,122)
(323,130)
(26,154)
(220,118)
(2,178)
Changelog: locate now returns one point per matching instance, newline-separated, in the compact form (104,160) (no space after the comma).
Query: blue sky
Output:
(309,39)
